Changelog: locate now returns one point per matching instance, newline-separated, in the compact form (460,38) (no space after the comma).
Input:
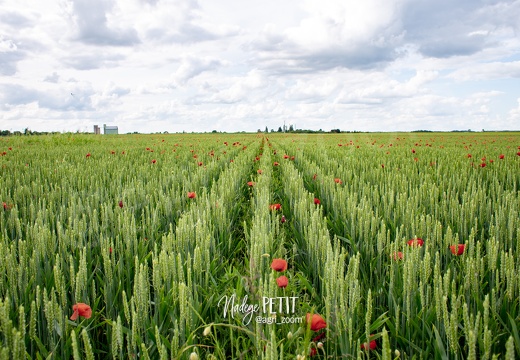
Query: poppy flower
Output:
(458,249)
(88,155)
(313,351)
(518,153)
(6,207)
(286,156)
(416,242)
(318,337)
(369,346)
(317,322)
(317,201)
(199,163)
(279,265)
(276,163)
(120,203)
(483,165)
(250,183)
(283,219)
(275,206)
(398,255)
(315,176)
(383,166)
(501,156)
(112,152)
(191,195)
(110,250)
(469,156)
(338,181)
(413,151)
(154,161)
(81,309)
(282,281)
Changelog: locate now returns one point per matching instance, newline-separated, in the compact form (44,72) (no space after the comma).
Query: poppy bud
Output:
(207,330)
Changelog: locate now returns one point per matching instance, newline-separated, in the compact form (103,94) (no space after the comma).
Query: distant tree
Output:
(266,130)
(214,131)
(280,129)
(291,128)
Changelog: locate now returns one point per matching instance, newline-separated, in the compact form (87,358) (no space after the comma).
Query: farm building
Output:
(109,129)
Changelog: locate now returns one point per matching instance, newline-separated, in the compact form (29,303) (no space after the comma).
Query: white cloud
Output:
(487,71)
(203,65)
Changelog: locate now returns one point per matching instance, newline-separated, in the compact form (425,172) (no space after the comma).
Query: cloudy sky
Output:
(230,65)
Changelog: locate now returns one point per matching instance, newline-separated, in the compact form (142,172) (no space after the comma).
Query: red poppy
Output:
(10,148)
(282,281)
(276,163)
(416,242)
(191,195)
(275,206)
(120,203)
(338,181)
(6,206)
(317,322)
(518,153)
(283,219)
(286,156)
(110,250)
(483,165)
(383,166)
(397,255)
(313,351)
(458,249)
(413,151)
(81,309)
(88,155)
(369,346)
(199,163)
(315,176)
(250,183)
(259,171)
(319,337)
(317,201)
(279,265)
(154,161)
(112,152)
